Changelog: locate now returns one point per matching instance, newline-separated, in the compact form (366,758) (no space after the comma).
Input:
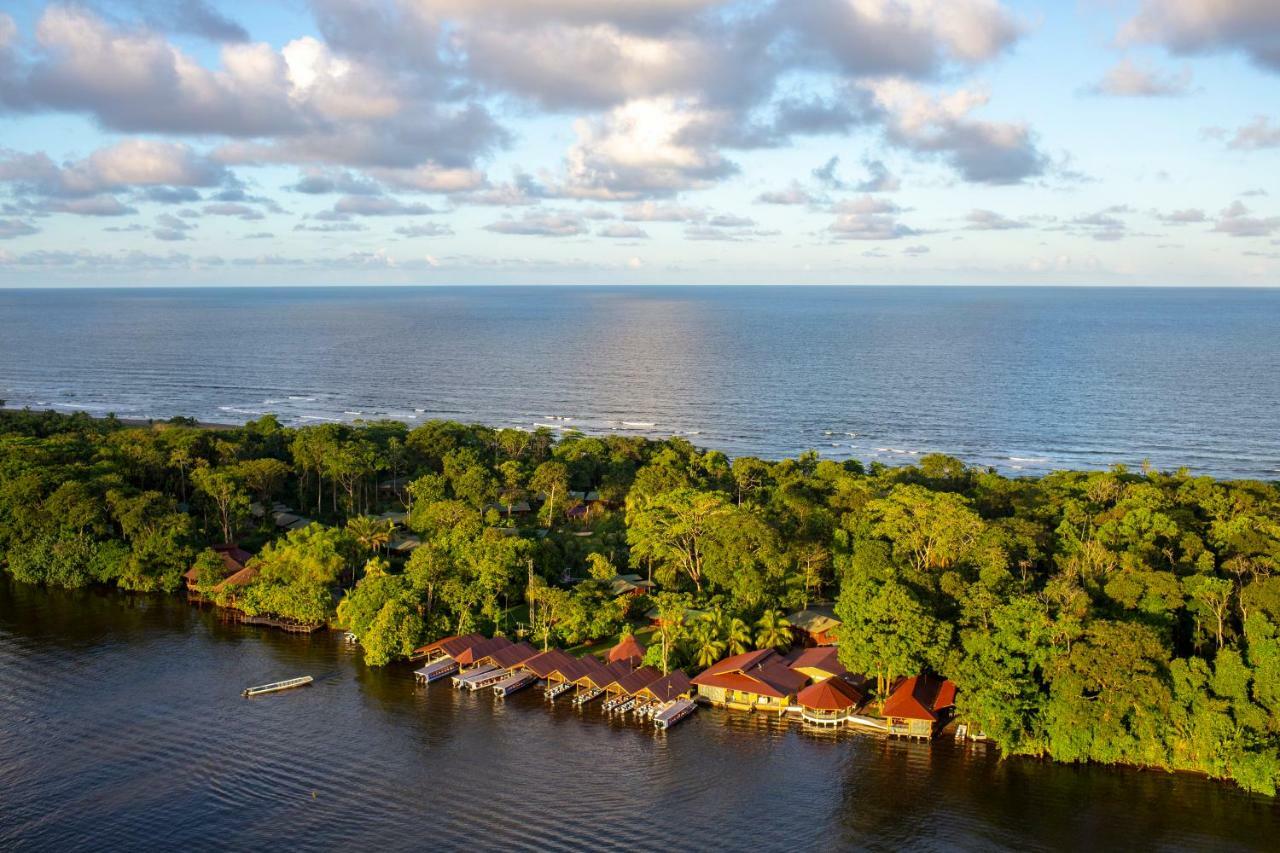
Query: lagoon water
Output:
(1023,379)
(122,728)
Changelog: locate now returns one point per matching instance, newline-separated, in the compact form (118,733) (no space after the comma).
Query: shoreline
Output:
(909,458)
(799,574)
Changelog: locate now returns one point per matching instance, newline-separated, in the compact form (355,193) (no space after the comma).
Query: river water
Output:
(1025,379)
(122,728)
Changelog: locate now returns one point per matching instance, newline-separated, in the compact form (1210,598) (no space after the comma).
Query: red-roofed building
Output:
(670,687)
(544,664)
(918,706)
(829,702)
(481,652)
(628,650)
(630,685)
(441,647)
(758,680)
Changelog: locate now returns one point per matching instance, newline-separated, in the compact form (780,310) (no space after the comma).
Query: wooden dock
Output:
(276,686)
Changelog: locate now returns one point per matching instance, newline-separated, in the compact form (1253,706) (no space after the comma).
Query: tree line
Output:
(1125,616)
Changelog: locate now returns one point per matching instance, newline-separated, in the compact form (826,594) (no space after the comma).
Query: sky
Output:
(1099,142)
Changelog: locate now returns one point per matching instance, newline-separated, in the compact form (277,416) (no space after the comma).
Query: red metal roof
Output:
(920,697)
(744,661)
(454,646)
(669,687)
(509,656)
(605,675)
(638,680)
(761,672)
(479,651)
(629,649)
(549,661)
(833,694)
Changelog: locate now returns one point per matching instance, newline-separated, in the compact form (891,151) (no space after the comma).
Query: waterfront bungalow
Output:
(829,702)
(509,657)
(593,682)
(671,686)
(561,678)
(628,650)
(658,696)
(234,559)
(442,656)
(445,647)
(624,693)
(544,663)
(815,626)
(479,653)
(758,680)
(919,706)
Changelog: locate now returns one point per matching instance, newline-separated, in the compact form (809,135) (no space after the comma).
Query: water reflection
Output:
(121,723)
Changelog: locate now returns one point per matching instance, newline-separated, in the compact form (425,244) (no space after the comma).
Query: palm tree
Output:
(737,636)
(773,631)
(707,644)
(371,533)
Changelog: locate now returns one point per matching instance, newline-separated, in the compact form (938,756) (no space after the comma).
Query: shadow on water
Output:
(122,727)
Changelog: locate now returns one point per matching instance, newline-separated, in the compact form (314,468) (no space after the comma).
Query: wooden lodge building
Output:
(815,626)
(759,680)
(919,706)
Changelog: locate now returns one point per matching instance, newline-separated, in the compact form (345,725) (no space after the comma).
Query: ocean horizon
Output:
(1022,379)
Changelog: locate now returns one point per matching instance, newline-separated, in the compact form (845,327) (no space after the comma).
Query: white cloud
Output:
(1257,134)
(794,194)
(653,212)
(916,37)
(868,218)
(989,220)
(540,224)
(623,231)
(124,165)
(1251,27)
(981,151)
(1236,221)
(1128,79)
(644,148)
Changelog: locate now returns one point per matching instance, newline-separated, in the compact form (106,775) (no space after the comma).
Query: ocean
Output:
(1023,379)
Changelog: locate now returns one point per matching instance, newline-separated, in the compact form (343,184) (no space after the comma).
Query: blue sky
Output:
(609,141)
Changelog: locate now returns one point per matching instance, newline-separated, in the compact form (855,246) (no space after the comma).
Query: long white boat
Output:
(436,670)
(275,686)
(674,712)
(474,678)
(513,682)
